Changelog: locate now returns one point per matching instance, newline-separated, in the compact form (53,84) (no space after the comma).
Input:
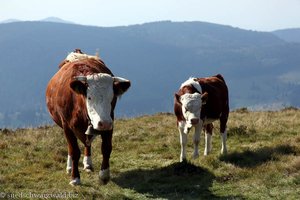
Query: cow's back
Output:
(217,102)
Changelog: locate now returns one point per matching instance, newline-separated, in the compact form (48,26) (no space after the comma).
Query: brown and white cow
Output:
(198,103)
(81,98)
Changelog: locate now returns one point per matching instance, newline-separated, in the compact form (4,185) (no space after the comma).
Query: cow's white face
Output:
(191,109)
(99,91)
(99,96)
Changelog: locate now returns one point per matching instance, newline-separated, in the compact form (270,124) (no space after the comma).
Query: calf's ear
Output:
(121,85)
(79,85)
(204,98)
(177,98)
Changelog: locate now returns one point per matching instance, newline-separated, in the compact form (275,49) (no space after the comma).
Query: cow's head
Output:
(191,105)
(100,90)
(190,100)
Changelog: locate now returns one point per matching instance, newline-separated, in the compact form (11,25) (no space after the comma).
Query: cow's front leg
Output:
(106,149)
(87,160)
(183,141)
(196,140)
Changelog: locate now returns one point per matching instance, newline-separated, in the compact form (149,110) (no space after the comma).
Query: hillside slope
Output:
(156,57)
(289,35)
(262,163)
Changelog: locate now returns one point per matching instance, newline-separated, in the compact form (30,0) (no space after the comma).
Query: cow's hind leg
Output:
(223,132)
(73,157)
(106,148)
(208,138)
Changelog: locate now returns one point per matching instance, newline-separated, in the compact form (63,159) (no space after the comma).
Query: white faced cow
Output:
(81,98)
(198,103)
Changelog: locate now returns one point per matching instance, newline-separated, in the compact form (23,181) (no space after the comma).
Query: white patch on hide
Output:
(87,162)
(99,97)
(183,143)
(72,57)
(195,84)
(223,139)
(208,144)
(69,164)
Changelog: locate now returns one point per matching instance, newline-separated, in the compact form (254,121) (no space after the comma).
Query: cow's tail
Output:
(219,76)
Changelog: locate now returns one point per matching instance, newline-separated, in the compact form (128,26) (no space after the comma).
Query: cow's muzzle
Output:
(104,126)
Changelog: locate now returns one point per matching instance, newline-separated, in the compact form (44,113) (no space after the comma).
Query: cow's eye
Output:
(89,98)
(186,109)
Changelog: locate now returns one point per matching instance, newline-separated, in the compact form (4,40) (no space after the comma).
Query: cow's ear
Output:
(204,98)
(79,85)
(177,98)
(121,85)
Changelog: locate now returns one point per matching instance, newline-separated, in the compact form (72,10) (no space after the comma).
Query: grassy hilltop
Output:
(263,161)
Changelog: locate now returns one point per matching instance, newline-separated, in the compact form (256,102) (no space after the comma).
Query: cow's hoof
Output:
(69,170)
(88,169)
(104,176)
(195,155)
(223,151)
(75,182)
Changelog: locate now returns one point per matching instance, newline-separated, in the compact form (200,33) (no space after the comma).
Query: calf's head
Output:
(100,91)
(191,108)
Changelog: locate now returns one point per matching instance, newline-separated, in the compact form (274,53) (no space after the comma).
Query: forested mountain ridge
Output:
(260,68)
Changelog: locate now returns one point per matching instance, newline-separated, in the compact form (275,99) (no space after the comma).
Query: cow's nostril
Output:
(195,121)
(103,125)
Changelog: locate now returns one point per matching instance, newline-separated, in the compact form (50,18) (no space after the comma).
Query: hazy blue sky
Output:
(262,15)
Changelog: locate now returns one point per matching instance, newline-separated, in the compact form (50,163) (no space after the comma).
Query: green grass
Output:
(263,161)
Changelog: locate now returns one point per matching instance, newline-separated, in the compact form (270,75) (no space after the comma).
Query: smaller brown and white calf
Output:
(198,103)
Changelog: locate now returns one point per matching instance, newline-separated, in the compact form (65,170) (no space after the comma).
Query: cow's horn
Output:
(80,78)
(120,79)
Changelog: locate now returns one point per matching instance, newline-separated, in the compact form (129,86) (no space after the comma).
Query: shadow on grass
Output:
(249,159)
(176,181)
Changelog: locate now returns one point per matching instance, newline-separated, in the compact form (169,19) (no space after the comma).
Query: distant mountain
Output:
(48,19)
(157,57)
(289,35)
(9,21)
(56,20)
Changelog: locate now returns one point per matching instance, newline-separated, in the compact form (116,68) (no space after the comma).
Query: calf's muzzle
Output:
(194,121)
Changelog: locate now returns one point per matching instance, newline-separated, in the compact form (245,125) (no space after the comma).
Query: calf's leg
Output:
(223,132)
(208,139)
(183,141)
